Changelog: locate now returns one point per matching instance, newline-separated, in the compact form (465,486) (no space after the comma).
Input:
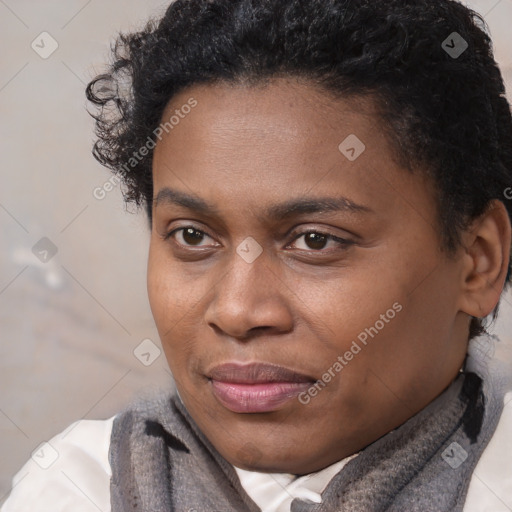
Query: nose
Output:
(251,298)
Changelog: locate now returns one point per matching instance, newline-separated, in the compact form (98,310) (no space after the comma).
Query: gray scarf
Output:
(162,462)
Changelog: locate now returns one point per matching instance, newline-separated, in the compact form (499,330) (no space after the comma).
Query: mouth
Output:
(256,387)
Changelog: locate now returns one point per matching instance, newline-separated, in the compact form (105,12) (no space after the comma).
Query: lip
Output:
(256,387)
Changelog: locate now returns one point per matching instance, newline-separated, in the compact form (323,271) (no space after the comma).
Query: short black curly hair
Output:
(428,64)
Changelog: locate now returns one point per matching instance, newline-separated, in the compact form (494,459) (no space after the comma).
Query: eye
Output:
(313,240)
(188,236)
(317,240)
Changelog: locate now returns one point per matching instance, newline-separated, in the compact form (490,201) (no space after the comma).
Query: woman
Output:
(324,185)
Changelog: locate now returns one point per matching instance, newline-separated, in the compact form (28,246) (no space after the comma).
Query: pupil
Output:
(190,238)
(315,241)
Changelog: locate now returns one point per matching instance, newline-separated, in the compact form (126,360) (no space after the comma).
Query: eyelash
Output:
(344,243)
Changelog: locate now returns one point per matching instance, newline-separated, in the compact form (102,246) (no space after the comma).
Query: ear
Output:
(485,261)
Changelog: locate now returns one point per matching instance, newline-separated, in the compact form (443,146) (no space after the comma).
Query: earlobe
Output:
(486,260)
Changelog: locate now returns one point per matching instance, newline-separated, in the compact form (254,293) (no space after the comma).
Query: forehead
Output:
(291,109)
(284,139)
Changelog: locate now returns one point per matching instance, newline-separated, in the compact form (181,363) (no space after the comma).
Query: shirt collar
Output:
(271,491)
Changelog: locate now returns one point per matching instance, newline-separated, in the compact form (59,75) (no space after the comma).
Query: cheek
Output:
(175,301)
(369,317)
(159,289)
(344,306)
(167,299)
(171,295)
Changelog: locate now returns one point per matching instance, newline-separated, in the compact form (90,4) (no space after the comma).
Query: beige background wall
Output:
(69,326)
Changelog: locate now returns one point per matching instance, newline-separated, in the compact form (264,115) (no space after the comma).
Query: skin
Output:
(303,301)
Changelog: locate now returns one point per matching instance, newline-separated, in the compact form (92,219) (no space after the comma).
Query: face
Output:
(285,234)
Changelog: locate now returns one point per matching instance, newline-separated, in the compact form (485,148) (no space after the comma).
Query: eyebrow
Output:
(290,208)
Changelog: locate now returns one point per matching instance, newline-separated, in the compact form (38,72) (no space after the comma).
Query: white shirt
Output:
(79,480)
(274,492)
(71,473)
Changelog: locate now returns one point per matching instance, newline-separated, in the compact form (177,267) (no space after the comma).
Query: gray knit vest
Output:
(162,462)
